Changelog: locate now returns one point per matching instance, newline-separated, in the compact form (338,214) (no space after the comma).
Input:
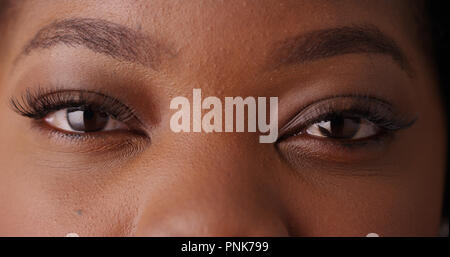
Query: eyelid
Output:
(375,110)
(116,145)
(40,102)
(127,143)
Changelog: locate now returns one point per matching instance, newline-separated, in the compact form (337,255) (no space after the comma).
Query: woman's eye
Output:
(343,128)
(83,120)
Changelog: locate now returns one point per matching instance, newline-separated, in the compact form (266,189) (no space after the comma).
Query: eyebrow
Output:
(100,36)
(332,42)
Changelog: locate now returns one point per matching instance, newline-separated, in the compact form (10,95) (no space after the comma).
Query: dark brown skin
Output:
(219,184)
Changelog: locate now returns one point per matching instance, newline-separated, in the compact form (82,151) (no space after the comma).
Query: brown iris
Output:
(84,119)
(340,127)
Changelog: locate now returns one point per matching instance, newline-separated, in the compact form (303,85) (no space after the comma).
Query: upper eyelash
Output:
(39,103)
(376,110)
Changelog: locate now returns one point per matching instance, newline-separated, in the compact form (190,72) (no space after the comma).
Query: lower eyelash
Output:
(129,143)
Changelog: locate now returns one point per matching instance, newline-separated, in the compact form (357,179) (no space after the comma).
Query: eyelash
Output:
(380,112)
(41,102)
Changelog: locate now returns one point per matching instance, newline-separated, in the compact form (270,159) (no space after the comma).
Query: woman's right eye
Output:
(83,120)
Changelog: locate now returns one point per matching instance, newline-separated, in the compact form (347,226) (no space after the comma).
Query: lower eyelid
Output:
(131,142)
(304,147)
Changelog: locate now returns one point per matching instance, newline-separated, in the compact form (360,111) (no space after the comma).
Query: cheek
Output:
(25,208)
(351,205)
(36,203)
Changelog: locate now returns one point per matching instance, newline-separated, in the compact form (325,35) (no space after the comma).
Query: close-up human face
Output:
(87,116)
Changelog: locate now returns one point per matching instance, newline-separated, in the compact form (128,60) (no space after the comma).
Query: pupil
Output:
(341,128)
(86,120)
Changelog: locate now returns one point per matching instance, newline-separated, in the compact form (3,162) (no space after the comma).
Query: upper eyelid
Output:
(305,107)
(35,103)
(369,102)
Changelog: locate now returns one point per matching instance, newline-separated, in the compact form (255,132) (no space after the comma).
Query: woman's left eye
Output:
(83,120)
(340,127)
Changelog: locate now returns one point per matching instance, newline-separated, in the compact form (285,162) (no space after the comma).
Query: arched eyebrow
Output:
(100,36)
(332,42)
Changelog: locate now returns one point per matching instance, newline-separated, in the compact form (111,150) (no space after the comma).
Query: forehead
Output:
(221,21)
(233,35)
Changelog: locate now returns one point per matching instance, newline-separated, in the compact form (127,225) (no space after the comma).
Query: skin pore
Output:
(324,60)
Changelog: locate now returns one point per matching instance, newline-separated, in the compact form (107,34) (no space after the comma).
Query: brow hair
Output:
(100,36)
(338,41)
